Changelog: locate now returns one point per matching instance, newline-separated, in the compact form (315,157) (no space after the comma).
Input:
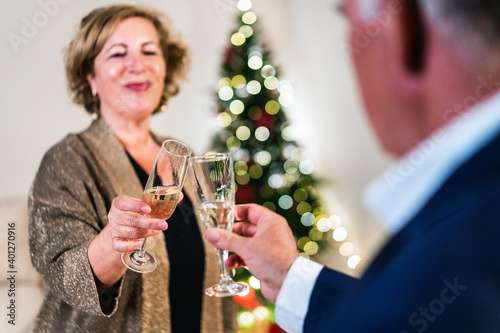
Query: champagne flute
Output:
(213,178)
(161,193)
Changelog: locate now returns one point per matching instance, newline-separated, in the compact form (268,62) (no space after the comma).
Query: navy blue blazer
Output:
(441,273)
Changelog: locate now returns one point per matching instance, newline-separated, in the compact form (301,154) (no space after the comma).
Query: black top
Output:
(187,263)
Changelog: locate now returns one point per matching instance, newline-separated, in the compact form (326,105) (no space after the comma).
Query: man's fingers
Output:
(234,261)
(244,228)
(241,212)
(253,213)
(223,239)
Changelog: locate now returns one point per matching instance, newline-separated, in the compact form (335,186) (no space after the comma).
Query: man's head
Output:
(418,59)
(453,18)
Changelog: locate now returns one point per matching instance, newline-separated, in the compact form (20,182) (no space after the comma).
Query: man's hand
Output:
(263,242)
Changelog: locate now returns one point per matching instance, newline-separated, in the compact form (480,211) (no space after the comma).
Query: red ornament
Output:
(245,194)
(274,328)
(265,120)
(248,300)
(229,55)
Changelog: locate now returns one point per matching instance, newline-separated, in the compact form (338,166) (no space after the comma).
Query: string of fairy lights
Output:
(233,90)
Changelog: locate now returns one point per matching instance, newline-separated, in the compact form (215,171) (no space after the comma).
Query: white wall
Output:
(305,40)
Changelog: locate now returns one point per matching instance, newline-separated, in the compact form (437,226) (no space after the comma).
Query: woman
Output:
(122,66)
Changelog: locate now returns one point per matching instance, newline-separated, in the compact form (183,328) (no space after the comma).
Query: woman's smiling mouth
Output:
(138,86)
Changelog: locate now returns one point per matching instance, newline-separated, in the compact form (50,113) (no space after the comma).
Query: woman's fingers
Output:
(129,223)
(135,220)
(126,203)
(126,245)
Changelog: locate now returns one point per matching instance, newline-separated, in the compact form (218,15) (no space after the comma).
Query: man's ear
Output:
(413,36)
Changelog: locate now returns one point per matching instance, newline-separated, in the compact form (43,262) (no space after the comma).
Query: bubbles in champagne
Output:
(162,200)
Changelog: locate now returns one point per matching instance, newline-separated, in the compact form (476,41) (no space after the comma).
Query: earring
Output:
(95,114)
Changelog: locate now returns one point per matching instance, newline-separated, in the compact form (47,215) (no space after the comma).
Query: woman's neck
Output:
(131,132)
(136,138)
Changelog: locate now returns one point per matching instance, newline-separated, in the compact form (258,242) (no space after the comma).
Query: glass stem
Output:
(222,255)
(142,249)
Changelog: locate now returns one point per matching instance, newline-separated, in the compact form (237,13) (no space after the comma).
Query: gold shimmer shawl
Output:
(68,206)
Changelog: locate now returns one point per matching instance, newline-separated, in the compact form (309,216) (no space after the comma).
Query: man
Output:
(429,74)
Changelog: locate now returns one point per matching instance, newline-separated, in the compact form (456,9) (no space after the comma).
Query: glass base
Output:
(226,288)
(136,262)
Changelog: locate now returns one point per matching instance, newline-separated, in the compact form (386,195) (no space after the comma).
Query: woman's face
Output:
(129,71)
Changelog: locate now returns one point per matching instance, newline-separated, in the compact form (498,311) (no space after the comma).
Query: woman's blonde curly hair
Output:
(94,31)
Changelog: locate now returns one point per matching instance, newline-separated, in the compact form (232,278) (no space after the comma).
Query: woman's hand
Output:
(128,225)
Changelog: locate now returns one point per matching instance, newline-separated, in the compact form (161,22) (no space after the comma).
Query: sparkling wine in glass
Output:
(213,178)
(161,193)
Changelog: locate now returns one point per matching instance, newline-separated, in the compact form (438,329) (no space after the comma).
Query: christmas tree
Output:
(271,168)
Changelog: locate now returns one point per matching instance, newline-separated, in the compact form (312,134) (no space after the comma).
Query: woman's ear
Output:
(90,79)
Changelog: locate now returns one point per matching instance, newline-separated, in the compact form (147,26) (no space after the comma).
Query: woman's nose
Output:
(136,63)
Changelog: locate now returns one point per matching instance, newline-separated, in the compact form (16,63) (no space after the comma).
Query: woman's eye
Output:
(117,55)
(149,52)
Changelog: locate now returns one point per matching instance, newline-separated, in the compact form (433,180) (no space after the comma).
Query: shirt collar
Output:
(397,195)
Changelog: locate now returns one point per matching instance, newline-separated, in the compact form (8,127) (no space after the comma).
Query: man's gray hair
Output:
(454,18)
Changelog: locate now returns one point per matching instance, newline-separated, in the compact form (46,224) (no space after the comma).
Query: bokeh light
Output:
(306,167)
(246,31)
(267,71)
(226,93)
(238,81)
(237,106)
(303,208)
(262,133)
(233,143)
(311,248)
(263,157)
(238,39)
(271,82)
(285,202)
(255,171)
(275,181)
(353,261)
(243,133)
(339,234)
(249,18)
(253,87)
(244,5)
(255,62)
(254,282)
(223,119)
(272,107)
(346,249)
(307,219)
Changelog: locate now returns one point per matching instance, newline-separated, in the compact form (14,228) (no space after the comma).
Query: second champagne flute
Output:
(213,178)
(161,193)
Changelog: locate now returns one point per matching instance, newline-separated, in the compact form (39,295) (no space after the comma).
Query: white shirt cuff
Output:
(293,298)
